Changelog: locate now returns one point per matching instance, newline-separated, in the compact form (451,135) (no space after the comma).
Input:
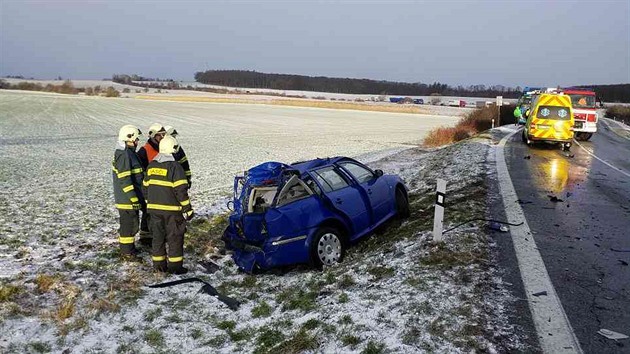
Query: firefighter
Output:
(127,174)
(180,156)
(147,153)
(168,204)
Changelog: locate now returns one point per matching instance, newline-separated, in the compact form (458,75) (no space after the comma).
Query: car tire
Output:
(523,137)
(584,136)
(402,205)
(328,247)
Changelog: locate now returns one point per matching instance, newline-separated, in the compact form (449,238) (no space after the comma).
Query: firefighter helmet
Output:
(129,133)
(170,130)
(169,145)
(156,128)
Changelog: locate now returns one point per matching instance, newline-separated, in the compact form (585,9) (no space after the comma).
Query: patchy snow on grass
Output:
(64,288)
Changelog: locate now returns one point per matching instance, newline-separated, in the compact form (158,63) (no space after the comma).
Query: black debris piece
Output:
(555,199)
(210,267)
(540,293)
(206,288)
(527,157)
(623,262)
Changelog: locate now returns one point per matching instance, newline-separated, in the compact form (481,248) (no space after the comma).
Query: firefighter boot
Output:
(177,268)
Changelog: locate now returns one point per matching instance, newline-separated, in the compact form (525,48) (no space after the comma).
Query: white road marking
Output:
(554,330)
(601,160)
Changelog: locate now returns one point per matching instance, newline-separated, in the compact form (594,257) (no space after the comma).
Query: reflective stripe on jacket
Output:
(166,186)
(127,175)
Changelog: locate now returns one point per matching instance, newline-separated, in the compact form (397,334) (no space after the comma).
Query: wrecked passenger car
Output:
(308,212)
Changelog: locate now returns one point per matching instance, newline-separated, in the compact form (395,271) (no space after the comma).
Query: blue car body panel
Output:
(282,234)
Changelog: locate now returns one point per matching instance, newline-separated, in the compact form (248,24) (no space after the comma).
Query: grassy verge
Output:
(296,103)
(471,124)
(619,112)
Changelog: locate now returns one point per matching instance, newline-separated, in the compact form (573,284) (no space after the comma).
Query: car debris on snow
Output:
(611,334)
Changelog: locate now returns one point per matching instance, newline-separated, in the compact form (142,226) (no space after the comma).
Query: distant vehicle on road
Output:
(457,103)
(584,103)
(308,212)
(418,101)
(550,120)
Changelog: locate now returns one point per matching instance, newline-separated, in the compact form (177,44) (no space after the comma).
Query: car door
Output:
(344,197)
(378,191)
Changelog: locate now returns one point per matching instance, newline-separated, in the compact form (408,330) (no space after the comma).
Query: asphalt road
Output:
(580,237)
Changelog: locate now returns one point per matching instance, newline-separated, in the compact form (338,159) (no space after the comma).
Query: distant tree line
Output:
(66,88)
(253,79)
(146,82)
(611,93)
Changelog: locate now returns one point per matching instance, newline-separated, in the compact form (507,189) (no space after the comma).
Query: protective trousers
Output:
(144,223)
(167,229)
(128,230)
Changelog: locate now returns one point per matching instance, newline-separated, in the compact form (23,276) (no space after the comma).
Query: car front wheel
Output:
(328,247)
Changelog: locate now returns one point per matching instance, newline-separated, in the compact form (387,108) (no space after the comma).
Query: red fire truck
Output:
(584,111)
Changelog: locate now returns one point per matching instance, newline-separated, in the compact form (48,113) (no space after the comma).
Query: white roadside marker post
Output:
(438,219)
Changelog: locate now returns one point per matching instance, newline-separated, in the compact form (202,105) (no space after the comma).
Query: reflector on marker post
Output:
(438,219)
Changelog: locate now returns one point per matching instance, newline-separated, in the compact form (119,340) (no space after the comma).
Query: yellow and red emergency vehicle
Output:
(550,119)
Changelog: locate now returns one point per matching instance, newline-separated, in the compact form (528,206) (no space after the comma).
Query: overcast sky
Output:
(455,42)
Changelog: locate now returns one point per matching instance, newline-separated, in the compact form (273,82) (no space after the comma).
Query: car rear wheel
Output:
(328,247)
(525,138)
(402,204)
(584,136)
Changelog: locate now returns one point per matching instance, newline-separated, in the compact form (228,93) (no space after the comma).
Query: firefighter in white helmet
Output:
(127,174)
(146,154)
(166,188)
(180,155)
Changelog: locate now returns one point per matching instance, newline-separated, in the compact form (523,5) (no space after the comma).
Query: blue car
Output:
(308,212)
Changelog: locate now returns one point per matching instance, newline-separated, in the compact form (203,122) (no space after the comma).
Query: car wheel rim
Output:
(329,249)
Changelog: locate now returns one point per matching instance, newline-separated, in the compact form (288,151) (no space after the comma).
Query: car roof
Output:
(304,166)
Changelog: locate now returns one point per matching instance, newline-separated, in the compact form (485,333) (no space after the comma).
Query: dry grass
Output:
(105,304)
(314,103)
(9,292)
(619,112)
(46,282)
(473,123)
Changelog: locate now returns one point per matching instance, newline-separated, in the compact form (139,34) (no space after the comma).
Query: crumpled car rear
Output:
(262,236)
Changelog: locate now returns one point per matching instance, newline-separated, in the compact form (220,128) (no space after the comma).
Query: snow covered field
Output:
(64,288)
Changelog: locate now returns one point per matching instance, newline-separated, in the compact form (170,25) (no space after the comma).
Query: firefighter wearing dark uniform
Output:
(146,154)
(166,189)
(127,174)
(180,155)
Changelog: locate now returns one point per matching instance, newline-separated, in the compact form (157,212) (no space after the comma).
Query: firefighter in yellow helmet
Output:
(168,204)
(180,155)
(127,174)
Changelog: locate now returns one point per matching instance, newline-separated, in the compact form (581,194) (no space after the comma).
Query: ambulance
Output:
(550,119)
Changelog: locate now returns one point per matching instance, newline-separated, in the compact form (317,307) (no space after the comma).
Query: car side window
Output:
(360,173)
(329,179)
(312,185)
